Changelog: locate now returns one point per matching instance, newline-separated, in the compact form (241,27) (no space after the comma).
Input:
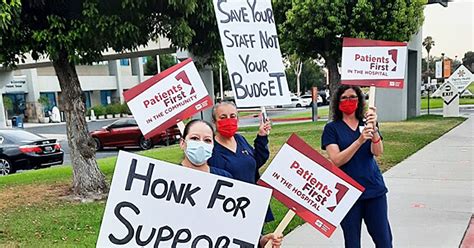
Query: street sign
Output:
(461,78)
(448,92)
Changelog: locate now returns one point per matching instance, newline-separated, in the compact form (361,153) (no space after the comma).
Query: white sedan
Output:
(307,100)
(296,102)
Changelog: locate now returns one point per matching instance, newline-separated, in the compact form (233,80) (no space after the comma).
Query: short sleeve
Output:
(329,136)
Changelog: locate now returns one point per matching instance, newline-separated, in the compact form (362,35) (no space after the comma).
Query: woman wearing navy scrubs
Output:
(351,145)
(197,143)
(232,152)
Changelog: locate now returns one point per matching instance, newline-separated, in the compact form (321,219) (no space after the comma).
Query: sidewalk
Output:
(430,197)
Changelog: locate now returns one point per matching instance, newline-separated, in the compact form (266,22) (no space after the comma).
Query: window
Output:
(124,62)
(87,98)
(105,97)
(52,100)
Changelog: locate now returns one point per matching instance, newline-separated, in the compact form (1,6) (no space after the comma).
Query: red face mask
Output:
(227,127)
(348,106)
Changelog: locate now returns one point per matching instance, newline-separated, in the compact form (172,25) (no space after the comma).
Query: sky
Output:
(452,28)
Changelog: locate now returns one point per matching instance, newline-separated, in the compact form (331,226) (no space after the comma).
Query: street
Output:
(58,131)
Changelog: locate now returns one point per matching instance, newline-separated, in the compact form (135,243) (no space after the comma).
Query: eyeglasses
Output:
(344,98)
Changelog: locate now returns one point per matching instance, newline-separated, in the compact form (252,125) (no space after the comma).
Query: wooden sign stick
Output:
(264,116)
(181,127)
(371,99)
(281,227)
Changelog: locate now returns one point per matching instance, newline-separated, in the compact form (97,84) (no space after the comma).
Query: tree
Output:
(316,28)
(428,43)
(296,64)
(311,75)
(66,32)
(166,61)
(468,60)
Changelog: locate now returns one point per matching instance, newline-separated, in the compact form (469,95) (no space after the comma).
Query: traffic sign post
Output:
(450,96)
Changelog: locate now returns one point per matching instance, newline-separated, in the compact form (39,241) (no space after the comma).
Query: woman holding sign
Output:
(232,152)
(197,143)
(352,140)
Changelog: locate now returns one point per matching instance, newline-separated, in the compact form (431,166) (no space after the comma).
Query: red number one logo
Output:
(394,53)
(184,77)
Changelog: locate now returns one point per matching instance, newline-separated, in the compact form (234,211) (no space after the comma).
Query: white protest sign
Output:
(168,98)
(156,204)
(461,78)
(373,63)
(252,52)
(310,185)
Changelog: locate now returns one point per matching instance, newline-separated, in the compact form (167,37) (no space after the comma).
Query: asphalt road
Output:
(58,131)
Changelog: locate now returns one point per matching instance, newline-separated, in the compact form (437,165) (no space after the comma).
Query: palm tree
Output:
(428,43)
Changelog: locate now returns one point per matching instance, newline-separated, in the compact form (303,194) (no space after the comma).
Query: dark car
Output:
(22,150)
(125,132)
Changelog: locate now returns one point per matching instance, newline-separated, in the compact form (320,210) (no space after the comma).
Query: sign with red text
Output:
(252,52)
(168,98)
(152,203)
(310,185)
(373,63)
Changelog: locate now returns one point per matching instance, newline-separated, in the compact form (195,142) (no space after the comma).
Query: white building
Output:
(101,84)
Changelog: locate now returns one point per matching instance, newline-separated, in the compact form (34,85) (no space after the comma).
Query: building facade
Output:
(102,84)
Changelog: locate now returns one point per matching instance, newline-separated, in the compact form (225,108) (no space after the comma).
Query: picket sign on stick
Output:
(167,98)
(310,186)
(373,63)
(282,226)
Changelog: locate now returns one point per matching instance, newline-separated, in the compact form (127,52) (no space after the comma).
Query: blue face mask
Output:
(198,152)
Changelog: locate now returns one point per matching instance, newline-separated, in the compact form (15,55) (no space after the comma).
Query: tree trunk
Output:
(298,77)
(334,80)
(88,180)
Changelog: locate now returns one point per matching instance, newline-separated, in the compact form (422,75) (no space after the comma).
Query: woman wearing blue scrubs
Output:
(197,143)
(232,152)
(352,141)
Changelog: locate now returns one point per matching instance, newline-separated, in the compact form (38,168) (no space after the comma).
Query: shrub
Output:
(99,110)
(124,109)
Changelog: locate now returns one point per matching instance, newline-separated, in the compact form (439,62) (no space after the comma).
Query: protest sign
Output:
(373,63)
(168,98)
(310,185)
(252,52)
(156,204)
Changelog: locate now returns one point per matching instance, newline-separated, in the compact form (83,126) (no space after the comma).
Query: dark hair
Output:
(214,117)
(191,123)
(336,99)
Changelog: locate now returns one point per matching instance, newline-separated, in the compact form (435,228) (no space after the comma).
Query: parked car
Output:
(125,132)
(296,102)
(308,100)
(23,150)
